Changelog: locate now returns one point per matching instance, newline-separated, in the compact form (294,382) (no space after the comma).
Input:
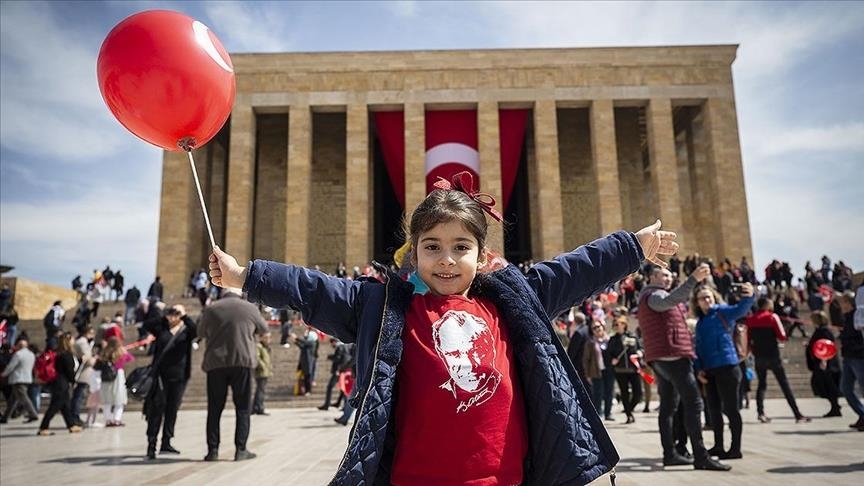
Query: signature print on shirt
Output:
(466,346)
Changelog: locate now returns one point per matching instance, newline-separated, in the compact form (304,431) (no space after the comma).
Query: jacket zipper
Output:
(371,379)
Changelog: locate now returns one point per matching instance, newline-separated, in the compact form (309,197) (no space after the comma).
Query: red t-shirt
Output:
(460,417)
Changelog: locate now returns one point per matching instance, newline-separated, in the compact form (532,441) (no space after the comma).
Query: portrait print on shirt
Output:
(465,345)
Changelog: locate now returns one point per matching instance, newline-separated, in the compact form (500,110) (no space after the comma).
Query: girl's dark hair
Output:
(442,206)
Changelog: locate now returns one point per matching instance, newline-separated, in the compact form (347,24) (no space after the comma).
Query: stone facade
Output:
(616,138)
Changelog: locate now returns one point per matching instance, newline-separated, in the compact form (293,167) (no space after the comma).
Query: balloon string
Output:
(201,199)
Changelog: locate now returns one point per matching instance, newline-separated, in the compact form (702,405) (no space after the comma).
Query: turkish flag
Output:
(451,145)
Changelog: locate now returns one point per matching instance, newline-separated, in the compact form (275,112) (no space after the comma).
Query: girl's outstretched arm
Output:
(328,303)
(570,278)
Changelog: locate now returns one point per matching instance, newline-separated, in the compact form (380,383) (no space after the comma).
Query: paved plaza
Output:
(304,447)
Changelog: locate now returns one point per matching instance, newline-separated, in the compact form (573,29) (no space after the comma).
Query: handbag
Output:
(140,381)
(739,338)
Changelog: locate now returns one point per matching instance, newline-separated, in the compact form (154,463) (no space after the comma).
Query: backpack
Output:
(44,369)
(107,371)
(48,320)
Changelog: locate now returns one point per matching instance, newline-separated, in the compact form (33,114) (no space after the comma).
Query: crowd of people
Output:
(84,371)
(727,327)
(704,334)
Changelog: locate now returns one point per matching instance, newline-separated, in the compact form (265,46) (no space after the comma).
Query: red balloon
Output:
(824,349)
(167,78)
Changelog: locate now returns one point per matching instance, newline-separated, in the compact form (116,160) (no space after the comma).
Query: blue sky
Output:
(77,191)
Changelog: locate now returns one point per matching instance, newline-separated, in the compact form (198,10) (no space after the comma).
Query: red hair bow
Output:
(464,182)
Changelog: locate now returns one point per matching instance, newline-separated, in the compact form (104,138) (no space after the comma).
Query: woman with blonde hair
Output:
(113,390)
(64,363)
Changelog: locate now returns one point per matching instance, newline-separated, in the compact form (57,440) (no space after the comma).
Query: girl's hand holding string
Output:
(655,243)
(225,271)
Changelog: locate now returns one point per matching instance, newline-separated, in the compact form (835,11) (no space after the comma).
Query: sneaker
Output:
(243,455)
(75,429)
(44,432)
(323,407)
(340,421)
(212,456)
(168,449)
(677,460)
(801,419)
(764,418)
(709,464)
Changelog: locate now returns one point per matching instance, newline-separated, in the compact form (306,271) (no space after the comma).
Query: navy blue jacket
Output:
(567,441)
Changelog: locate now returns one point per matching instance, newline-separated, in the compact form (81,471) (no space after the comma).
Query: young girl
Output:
(113,392)
(468,375)
(94,400)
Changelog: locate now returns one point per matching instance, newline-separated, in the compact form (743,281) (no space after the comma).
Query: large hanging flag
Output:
(451,147)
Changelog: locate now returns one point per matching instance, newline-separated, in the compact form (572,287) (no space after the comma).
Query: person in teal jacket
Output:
(717,362)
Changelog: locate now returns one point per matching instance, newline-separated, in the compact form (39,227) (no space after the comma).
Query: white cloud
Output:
(51,104)
(771,39)
(52,239)
(797,229)
(402,8)
(845,138)
(70,135)
(249,27)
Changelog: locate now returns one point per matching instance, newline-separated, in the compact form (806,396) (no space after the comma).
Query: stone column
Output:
(241,184)
(415,155)
(199,240)
(358,230)
(217,195)
(549,223)
(704,187)
(664,165)
(724,154)
(605,153)
(172,263)
(489,141)
(297,186)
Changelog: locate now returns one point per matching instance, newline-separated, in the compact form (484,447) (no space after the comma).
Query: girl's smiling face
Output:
(448,257)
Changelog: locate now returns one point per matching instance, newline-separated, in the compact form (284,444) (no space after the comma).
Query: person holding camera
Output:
(717,361)
(175,334)
(669,350)
(622,346)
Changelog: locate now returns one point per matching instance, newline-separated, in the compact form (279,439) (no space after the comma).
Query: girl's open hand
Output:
(655,243)
(225,271)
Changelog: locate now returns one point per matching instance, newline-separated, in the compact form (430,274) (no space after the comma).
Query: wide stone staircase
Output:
(280,388)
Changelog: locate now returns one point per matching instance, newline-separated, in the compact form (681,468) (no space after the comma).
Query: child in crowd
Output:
(113,389)
(263,372)
(480,372)
(94,401)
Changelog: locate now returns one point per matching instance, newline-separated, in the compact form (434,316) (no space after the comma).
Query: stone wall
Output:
(327,202)
(33,299)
